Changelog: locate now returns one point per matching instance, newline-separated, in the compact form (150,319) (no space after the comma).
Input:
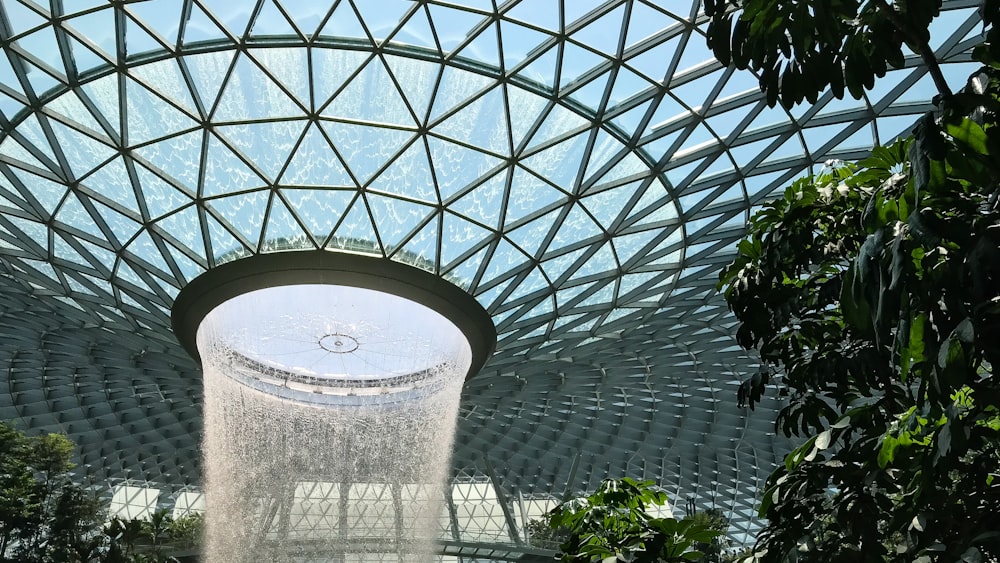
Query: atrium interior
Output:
(579,170)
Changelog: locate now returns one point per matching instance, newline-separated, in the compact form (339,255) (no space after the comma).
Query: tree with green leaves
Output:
(44,514)
(614,524)
(874,290)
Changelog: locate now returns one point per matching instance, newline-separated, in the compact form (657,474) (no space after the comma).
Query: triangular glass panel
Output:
(21,18)
(143,247)
(40,44)
(629,121)
(603,296)
(366,149)
(530,108)
(645,21)
(422,249)
(696,92)
(557,267)
(542,68)
(560,122)
(560,163)
(627,85)
(654,208)
(635,245)
(160,197)
(694,54)
(151,117)
(564,297)
(396,218)
(545,15)
(31,133)
(463,272)
(371,96)
(528,195)
(178,158)
(460,236)
(47,192)
(122,226)
(577,227)
(244,213)
(111,183)
(184,226)
(453,26)
(41,79)
(356,232)
(607,206)
(344,23)
(62,250)
(331,69)
(484,47)
(85,58)
(653,63)
(125,273)
(603,33)
(518,42)
(602,261)
(208,71)
(73,214)
(190,268)
(139,40)
(630,166)
(592,93)
(606,149)
(10,106)
(634,282)
(268,144)
(290,67)
(457,166)
(199,27)
(409,175)
(319,209)
(225,172)
(269,21)
(251,94)
(416,78)
(417,31)
(456,87)
(283,231)
(504,260)
(482,123)
(83,152)
(576,62)
(162,20)
(167,81)
(483,202)
(315,164)
(532,235)
(16,152)
(306,15)
(382,16)
(225,246)
(535,281)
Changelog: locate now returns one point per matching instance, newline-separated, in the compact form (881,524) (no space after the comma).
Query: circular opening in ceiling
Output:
(322,343)
(320,326)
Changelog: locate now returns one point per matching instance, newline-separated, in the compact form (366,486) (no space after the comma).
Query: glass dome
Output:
(581,169)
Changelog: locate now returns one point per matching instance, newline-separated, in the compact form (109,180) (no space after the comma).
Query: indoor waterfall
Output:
(329,418)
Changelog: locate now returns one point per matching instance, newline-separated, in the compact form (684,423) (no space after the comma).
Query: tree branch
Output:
(921,46)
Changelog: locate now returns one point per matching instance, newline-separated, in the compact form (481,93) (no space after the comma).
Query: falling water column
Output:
(329,417)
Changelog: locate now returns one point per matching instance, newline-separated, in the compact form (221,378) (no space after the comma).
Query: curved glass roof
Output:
(582,168)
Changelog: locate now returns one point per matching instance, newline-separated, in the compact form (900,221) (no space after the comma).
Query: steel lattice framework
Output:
(582,168)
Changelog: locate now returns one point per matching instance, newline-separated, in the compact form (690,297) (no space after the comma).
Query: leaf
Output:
(823,440)
(918,522)
(969,133)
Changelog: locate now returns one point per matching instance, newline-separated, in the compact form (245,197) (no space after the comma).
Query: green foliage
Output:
(44,515)
(801,48)
(875,289)
(613,524)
